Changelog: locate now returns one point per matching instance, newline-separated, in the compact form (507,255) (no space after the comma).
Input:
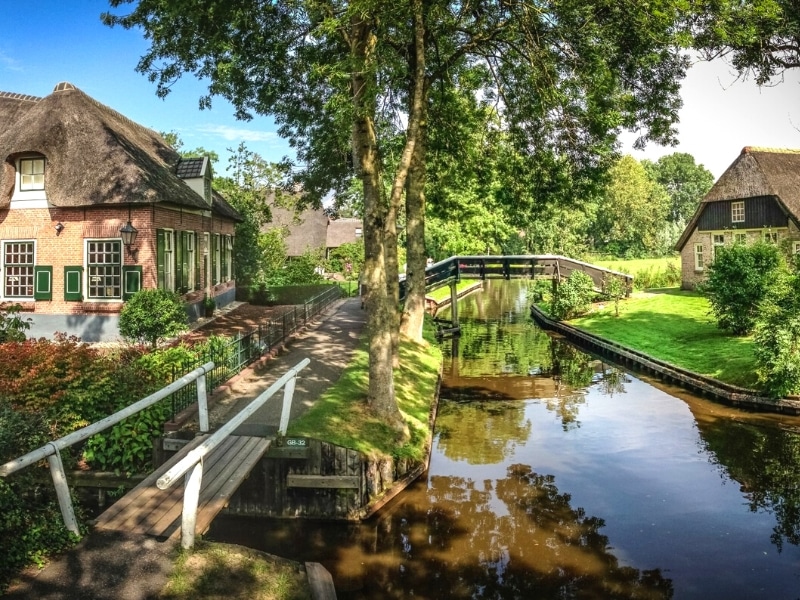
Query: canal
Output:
(555,474)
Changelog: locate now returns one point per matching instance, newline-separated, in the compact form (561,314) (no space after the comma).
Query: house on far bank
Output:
(756,198)
(312,229)
(93,208)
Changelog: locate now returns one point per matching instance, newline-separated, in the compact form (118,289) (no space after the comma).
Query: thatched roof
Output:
(95,156)
(343,231)
(756,172)
(307,230)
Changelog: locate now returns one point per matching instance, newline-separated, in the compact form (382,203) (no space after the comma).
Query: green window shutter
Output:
(160,258)
(224,258)
(214,258)
(43,283)
(197,261)
(131,281)
(73,284)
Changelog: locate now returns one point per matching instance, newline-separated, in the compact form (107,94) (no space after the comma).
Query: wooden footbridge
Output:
(529,266)
(214,466)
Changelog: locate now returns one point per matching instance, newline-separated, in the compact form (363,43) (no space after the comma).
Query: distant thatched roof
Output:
(756,172)
(343,231)
(95,156)
(307,229)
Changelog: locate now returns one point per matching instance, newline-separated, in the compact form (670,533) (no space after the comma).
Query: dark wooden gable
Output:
(759,212)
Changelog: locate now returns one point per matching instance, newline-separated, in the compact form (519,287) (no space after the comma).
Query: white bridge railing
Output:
(52,450)
(191,465)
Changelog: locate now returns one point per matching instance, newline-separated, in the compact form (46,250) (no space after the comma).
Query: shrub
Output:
(152,315)
(12,325)
(738,280)
(573,296)
(777,338)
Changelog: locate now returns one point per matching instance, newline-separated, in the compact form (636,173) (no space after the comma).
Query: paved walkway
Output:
(113,566)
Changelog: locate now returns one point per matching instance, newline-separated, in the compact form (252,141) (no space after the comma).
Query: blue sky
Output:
(63,40)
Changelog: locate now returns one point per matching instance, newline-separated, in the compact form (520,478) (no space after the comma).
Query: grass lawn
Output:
(638,264)
(676,326)
(341,416)
(443,293)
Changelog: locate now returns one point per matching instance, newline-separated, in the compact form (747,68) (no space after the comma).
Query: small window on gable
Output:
(737,212)
(31,174)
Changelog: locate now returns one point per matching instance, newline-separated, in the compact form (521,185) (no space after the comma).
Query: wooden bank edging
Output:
(706,386)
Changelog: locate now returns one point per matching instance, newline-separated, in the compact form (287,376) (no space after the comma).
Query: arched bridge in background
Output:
(542,266)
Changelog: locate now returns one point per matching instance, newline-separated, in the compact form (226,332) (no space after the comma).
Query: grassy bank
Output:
(443,293)
(235,572)
(676,326)
(340,416)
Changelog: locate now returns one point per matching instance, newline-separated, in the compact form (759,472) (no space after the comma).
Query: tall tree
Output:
(686,183)
(338,76)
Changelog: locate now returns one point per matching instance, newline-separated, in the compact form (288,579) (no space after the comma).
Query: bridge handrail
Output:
(51,450)
(191,465)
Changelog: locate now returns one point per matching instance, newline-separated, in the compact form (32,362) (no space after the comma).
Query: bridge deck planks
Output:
(154,512)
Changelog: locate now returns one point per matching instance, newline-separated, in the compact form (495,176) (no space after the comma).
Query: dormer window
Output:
(31,174)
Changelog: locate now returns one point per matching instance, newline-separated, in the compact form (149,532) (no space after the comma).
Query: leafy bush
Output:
(12,325)
(777,338)
(573,296)
(738,280)
(300,269)
(152,315)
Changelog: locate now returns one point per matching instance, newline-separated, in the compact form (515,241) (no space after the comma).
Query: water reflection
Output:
(557,475)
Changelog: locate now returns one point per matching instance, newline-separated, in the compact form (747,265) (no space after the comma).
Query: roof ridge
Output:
(750,149)
(16,96)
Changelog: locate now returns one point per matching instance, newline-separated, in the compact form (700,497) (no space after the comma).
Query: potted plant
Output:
(209,304)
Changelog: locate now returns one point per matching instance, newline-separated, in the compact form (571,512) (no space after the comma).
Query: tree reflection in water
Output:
(539,546)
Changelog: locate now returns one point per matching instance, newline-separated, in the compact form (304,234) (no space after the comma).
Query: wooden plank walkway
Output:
(150,511)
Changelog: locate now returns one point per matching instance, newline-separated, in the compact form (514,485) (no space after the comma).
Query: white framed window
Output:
(31,174)
(104,269)
(18,269)
(737,211)
(699,261)
(739,238)
(169,259)
(771,237)
(796,247)
(216,259)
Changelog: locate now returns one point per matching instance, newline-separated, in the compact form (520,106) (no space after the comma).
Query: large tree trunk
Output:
(414,131)
(379,306)
(414,308)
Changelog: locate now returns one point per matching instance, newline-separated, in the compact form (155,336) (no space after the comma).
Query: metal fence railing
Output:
(232,356)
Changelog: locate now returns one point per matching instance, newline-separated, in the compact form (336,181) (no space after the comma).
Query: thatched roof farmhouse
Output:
(77,179)
(756,198)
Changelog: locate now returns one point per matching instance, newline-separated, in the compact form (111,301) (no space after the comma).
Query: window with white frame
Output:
(31,174)
(699,262)
(216,259)
(191,259)
(740,238)
(737,212)
(18,263)
(169,259)
(104,269)
(228,258)
(771,237)
(796,247)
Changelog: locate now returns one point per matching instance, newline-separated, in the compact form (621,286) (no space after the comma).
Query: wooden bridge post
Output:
(454,303)
(202,404)
(191,500)
(62,490)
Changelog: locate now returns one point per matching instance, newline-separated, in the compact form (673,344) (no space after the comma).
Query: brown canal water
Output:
(557,475)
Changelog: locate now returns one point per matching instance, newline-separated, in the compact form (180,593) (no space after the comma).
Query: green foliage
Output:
(299,270)
(152,315)
(347,255)
(573,296)
(738,280)
(777,337)
(12,325)
(615,289)
(685,181)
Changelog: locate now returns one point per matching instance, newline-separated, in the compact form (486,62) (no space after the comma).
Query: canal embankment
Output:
(706,386)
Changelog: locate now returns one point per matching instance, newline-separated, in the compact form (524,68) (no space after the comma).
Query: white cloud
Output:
(7,63)
(238,134)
